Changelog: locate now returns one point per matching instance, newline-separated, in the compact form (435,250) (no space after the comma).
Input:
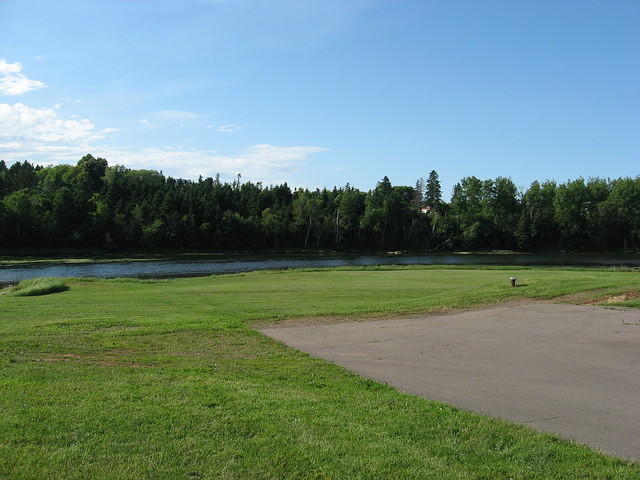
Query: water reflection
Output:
(158,269)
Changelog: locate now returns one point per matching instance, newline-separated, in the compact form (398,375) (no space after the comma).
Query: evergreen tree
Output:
(418,197)
(433,191)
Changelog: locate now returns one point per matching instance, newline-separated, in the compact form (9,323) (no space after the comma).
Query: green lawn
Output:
(127,379)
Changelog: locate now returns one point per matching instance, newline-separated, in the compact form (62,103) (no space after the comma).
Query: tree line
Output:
(94,205)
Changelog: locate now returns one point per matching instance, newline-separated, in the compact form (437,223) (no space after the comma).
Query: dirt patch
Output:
(580,298)
(119,352)
(113,363)
(601,296)
(622,297)
(65,357)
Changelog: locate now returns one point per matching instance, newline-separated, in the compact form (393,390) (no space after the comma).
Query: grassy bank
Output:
(130,379)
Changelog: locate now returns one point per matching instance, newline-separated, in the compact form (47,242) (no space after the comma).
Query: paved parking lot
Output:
(567,369)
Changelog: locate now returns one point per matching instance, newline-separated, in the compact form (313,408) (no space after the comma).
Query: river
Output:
(178,268)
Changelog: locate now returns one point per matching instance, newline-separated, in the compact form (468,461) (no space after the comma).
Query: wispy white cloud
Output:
(46,136)
(266,163)
(169,118)
(227,127)
(22,122)
(177,115)
(9,68)
(70,100)
(13,82)
(42,135)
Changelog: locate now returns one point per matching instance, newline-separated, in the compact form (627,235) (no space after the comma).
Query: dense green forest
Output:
(96,205)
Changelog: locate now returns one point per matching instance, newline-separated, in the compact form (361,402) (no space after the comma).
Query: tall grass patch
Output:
(38,286)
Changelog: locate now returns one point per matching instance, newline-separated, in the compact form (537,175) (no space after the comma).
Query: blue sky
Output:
(325,92)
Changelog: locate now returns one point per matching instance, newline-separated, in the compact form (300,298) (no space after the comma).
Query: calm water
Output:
(208,267)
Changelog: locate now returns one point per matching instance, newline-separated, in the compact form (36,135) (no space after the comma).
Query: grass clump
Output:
(38,286)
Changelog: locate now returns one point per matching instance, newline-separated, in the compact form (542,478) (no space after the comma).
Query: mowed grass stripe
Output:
(130,379)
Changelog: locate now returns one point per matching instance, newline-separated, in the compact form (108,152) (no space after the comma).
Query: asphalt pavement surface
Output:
(566,369)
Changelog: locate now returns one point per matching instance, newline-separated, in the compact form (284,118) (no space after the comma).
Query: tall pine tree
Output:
(433,191)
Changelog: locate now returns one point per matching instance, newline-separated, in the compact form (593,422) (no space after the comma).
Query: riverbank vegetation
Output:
(128,379)
(93,205)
